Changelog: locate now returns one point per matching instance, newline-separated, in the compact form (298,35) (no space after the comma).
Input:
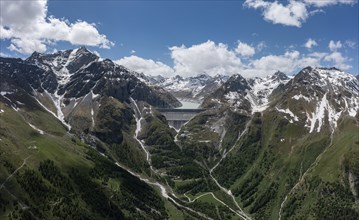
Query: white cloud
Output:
(244,49)
(271,63)
(292,14)
(22,14)
(338,60)
(351,44)
(83,33)
(334,46)
(33,30)
(316,11)
(261,46)
(311,59)
(323,3)
(295,13)
(290,63)
(146,66)
(310,43)
(4,54)
(132,51)
(207,57)
(317,55)
(26,45)
(216,58)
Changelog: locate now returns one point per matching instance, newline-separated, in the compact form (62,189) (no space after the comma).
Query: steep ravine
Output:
(240,211)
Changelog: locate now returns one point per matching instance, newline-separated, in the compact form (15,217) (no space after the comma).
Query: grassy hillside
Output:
(54,175)
(326,191)
(275,155)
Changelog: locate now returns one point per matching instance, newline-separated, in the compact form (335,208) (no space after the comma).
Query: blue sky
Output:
(253,37)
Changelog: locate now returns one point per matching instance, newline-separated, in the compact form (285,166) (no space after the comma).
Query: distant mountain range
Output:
(194,88)
(80,138)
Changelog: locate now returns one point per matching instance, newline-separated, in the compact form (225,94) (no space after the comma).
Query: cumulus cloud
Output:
(334,46)
(310,43)
(146,66)
(34,29)
(207,57)
(323,3)
(291,61)
(295,13)
(338,59)
(244,49)
(288,62)
(292,14)
(217,58)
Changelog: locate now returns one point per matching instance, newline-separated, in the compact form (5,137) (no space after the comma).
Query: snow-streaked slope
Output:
(324,94)
(262,88)
(316,97)
(256,91)
(61,82)
(290,113)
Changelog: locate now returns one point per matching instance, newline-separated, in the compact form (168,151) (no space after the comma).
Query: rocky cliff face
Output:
(71,83)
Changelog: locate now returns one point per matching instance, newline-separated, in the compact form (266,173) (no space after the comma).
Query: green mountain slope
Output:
(51,174)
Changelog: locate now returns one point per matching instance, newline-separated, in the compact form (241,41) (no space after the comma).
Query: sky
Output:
(249,37)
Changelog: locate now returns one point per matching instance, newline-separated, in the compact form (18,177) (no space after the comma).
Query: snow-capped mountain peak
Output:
(192,88)
(323,95)
(279,76)
(64,63)
(62,80)
(262,88)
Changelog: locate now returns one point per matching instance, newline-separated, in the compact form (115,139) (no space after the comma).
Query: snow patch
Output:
(3,93)
(234,99)
(232,96)
(318,116)
(92,118)
(289,112)
(15,108)
(57,100)
(257,105)
(204,141)
(19,103)
(63,75)
(260,91)
(35,128)
(93,95)
(354,106)
(138,130)
(32,147)
(300,96)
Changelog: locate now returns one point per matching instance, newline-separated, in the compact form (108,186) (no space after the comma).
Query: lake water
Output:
(189,105)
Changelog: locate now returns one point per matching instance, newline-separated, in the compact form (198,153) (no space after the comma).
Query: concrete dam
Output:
(177,117)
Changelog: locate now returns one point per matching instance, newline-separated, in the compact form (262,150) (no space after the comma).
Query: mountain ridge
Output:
(261,149)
